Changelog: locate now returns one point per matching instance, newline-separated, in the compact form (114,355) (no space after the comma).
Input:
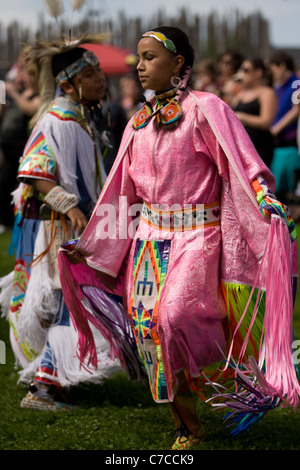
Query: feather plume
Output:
(55,8)
(77,4)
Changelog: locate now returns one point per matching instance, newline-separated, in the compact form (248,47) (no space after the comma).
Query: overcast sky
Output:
(283,15)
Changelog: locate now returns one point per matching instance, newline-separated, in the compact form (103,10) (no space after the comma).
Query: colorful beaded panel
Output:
(20,282)
(38,162)
(150,266)
(167,114)
(270,206)
(188,218)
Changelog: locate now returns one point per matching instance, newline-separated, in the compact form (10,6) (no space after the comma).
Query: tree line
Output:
(210,34)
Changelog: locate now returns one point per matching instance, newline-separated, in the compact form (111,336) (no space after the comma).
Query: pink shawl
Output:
(273,260)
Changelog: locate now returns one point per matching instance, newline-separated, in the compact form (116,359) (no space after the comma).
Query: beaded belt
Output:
(179,220)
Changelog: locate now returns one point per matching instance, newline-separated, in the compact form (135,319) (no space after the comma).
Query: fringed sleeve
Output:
(258,268)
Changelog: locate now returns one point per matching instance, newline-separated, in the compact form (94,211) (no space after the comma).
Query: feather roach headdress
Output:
(47,58)
(55,8)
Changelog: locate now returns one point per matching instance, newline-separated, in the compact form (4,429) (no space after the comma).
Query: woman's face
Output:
(156,65)
(226,65)
(278,72)
(246,72)
(249,75)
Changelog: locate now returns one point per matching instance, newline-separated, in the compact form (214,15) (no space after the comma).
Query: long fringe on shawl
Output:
(264,371)
(89,303)
(29,338)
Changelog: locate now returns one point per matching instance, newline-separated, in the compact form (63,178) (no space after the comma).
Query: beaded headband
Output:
(161,38)
(88,58)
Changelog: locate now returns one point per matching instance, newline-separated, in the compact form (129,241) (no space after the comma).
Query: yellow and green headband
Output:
(161,38)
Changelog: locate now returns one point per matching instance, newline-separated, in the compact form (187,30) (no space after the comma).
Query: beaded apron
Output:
(150,265)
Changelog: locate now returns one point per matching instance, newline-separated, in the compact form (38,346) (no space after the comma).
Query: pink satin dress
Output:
(173,287)
(207,275)
(177,167)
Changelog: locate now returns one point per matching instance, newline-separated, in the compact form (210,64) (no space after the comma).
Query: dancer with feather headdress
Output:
(61,174)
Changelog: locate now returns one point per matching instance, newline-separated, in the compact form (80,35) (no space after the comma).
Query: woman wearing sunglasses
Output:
(256,105)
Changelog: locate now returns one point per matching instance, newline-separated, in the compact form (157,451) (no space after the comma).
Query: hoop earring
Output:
(176,82)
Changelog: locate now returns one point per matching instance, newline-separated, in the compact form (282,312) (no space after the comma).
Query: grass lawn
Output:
(121,415)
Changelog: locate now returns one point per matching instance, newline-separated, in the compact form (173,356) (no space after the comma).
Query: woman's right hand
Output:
(78,219)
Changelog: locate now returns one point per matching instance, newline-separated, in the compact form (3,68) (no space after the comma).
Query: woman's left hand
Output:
(75,257)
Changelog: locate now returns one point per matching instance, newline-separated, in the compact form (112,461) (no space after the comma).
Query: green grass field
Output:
(121,415)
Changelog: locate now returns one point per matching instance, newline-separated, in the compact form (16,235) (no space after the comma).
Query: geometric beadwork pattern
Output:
(38,162)
(150,266)
(20,281)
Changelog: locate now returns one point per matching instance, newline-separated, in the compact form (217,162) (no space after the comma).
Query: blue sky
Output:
(283,15)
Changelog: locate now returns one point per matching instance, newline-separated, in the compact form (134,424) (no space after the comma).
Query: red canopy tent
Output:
(112,59)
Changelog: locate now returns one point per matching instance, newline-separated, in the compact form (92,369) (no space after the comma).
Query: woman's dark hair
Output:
(283,58)
(64,59)
(181,41)
(259,64)
(236,58)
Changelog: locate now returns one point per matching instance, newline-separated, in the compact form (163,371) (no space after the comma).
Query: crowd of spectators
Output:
(263,94)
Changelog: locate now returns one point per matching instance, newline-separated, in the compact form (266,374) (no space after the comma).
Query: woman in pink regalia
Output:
(188,233)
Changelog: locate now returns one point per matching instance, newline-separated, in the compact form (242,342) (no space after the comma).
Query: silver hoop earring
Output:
(176,82)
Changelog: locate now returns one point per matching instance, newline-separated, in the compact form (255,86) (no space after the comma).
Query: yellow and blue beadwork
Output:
(149,272)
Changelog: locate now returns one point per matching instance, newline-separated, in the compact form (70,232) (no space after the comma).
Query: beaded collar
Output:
(168,110)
